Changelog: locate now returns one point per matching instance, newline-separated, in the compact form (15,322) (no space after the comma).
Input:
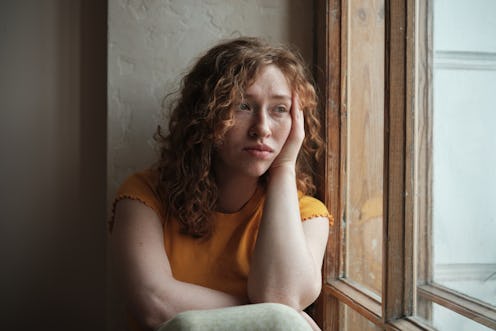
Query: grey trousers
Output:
(256,317)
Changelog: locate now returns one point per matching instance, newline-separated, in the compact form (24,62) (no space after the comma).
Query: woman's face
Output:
(262,122)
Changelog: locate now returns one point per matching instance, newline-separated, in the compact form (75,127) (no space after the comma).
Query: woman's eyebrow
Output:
(284,97)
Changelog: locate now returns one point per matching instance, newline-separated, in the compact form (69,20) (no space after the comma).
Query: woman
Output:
(223,219)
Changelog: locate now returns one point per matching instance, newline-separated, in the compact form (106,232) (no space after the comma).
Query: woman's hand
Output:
(291,148)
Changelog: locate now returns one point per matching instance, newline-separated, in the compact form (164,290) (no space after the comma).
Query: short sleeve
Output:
(311,207)
(142,187)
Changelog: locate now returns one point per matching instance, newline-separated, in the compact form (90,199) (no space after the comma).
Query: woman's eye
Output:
(244,106)
(281,109)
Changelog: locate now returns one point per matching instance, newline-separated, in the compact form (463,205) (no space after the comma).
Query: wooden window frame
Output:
(406,219)
(331,79)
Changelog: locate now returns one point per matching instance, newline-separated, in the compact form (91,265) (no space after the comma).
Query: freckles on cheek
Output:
(286,128)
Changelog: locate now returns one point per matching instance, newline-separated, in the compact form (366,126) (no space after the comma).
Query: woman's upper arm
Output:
(139,257)
(316,232)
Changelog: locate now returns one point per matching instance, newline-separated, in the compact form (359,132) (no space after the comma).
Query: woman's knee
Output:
(261,317)
(182,321)
(280,317)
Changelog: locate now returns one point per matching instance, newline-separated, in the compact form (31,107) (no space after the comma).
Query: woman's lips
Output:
(259,151)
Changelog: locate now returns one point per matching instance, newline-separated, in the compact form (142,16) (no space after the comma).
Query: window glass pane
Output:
(443,319)
(365,143)
(350,320)
(464,147)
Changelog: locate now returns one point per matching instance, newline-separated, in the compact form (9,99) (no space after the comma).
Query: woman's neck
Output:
(234,194)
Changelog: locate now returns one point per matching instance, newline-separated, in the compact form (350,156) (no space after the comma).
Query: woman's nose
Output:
(260,127)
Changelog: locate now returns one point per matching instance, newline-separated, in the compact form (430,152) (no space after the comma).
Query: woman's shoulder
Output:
(141,186)
(311,207)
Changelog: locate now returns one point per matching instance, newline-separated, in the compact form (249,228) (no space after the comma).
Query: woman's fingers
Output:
(291,148)
(298,125)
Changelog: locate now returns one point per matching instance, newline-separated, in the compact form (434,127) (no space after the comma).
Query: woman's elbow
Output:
(310,294)
(151,313)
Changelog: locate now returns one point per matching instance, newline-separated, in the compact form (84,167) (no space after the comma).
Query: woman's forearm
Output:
(181,296)
(157,305)
(283,268)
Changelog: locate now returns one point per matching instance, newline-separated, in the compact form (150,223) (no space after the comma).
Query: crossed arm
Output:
(154,296)
(144,273)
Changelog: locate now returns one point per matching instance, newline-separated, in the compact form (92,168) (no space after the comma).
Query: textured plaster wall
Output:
(153,42)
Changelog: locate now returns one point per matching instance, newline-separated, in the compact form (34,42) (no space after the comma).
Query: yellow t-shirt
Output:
(222,262)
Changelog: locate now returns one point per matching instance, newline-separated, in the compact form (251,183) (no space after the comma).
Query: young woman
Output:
(225,218)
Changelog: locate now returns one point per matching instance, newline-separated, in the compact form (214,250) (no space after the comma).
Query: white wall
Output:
(152,43)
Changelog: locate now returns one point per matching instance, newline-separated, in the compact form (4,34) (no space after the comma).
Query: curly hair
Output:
(202,114)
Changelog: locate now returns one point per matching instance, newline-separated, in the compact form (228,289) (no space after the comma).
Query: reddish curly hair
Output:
(202,114)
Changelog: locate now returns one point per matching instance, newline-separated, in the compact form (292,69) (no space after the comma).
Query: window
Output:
(456,172)
(408,92)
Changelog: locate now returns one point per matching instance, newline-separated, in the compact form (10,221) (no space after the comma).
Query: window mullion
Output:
(328,79)
(394,163)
